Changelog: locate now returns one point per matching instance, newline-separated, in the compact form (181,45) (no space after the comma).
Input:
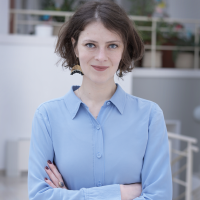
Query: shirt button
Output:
(98,155)
(99,184)
(108,103)
(98,127)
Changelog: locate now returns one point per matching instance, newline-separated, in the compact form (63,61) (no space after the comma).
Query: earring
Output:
(76,69)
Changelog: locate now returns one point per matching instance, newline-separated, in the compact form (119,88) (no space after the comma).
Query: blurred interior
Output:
(168,74)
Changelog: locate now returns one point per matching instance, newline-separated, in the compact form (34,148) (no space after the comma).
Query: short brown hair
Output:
(114,18)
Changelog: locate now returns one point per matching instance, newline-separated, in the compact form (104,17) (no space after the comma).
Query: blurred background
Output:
(168,74)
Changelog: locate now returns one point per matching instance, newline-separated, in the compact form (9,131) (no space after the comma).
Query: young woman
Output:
(97,141)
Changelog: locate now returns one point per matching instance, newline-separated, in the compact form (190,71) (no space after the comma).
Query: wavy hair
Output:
(114,18)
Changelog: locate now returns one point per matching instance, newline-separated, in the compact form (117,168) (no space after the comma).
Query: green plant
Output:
(145,35)
(185,41)
(51,5)
(142,7)
(175,36)
(169,36)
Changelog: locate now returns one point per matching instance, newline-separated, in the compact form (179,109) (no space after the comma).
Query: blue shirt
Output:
(127,143)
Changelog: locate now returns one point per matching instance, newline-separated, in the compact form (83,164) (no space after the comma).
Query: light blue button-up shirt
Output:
(127,143)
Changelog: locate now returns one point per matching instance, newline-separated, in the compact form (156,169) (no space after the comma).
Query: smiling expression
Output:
(99,51)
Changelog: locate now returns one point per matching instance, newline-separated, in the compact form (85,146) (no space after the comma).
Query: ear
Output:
(75,49)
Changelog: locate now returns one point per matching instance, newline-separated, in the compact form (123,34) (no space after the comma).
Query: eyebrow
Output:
(106,42)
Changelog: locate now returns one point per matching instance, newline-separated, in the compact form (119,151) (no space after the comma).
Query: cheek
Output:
(84,58)
(116,59)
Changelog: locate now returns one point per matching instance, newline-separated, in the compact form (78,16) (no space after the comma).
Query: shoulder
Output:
(147,109)
(50,106)
(143,104)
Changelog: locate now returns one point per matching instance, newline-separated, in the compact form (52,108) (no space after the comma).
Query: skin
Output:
(97,86)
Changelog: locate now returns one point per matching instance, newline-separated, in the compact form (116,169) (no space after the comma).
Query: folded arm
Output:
(156,172)
(41,150)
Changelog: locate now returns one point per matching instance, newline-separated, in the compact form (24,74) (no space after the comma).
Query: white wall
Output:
(4,17)
(184,9)
(28,77)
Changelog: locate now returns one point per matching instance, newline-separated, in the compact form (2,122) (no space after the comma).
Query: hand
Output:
(131,191)
(54,175)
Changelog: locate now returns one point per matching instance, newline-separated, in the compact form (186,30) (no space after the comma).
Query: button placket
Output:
(98,158)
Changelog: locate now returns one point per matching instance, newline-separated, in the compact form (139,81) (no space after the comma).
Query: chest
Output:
(89,153)
(94,110)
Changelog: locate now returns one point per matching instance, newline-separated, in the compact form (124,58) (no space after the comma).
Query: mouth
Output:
(99,68)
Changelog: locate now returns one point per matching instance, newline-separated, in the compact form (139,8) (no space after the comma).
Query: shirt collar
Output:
(73,102)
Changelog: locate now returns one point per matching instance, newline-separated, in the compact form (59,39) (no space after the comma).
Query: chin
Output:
(90,75)
(100,79)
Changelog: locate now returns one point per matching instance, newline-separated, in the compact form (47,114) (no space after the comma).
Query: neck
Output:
(96,94)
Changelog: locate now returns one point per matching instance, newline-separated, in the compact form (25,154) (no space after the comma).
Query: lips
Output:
(99,68)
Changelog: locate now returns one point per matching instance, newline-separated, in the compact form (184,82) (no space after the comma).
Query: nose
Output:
(101,55)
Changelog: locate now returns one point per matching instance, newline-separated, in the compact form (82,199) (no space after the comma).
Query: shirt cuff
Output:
(107,192)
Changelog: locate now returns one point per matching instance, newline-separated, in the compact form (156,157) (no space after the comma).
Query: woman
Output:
(98,142)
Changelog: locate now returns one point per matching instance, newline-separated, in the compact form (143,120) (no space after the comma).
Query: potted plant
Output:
(175,36)
(167,38)
(185,59)
(145,8)
(67,5)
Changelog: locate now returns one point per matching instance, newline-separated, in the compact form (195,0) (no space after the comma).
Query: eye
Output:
(114,46)
(89,45)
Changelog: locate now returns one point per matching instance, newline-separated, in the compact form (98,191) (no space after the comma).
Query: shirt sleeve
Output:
(41,150)
(156,171)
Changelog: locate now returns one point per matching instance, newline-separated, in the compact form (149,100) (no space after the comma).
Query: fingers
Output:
(55,171)
(54,174)
(49,182)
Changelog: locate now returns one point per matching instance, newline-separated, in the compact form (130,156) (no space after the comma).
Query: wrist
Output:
(121,191)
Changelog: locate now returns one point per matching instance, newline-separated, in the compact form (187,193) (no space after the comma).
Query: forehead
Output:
(95,31)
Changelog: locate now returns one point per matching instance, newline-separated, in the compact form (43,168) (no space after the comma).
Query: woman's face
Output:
(99,51)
